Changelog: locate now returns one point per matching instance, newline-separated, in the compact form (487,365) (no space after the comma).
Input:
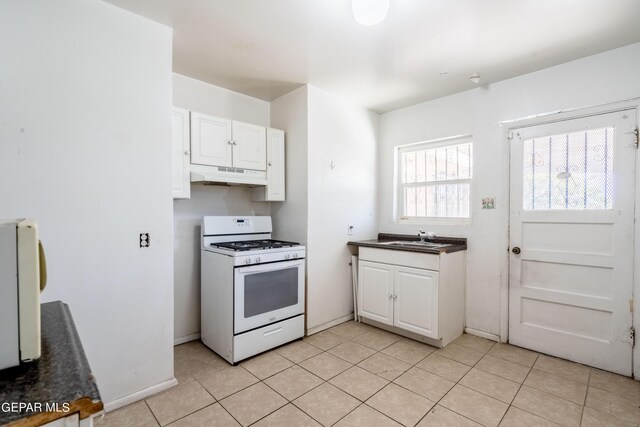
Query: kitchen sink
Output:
(427,245)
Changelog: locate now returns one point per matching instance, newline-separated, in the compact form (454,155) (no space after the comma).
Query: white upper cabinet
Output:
(222,142)
(227,151)
(180,153)
(211,140)
(249,146)
(274,190)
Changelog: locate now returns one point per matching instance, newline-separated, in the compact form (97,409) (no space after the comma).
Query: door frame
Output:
(509,129)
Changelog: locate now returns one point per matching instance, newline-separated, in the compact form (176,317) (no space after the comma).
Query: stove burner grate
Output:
(246,245)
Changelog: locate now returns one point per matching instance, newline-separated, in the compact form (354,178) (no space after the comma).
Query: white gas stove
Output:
(252,287)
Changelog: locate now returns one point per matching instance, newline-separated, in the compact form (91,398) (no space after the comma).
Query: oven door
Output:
(267,293)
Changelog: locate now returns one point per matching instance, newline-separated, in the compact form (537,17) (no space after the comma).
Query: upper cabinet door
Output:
(249,146)
(211,142)
(180,153)
(275,165)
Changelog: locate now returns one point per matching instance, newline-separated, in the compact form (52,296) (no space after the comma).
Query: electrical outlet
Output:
(144,240)
(350,230)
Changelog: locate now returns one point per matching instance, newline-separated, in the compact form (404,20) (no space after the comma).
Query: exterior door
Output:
(375,291)
(416,301)
(571,239)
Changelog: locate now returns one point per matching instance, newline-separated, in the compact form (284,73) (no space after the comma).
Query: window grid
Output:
(435,180)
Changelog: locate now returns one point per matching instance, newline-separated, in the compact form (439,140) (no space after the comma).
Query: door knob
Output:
(515,250)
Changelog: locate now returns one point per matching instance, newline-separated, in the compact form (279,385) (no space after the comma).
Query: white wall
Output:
(342,192)
(85,148)
(322,202)
(290,218)
(202,97)
(606,77)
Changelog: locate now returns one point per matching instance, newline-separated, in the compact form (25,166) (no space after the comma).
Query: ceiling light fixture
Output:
(370,12)
(475,77)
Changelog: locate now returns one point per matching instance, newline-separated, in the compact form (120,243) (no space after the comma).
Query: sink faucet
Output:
(428,235)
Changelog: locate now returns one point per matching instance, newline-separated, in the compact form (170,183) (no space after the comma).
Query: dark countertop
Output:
(62,375)
(458,243)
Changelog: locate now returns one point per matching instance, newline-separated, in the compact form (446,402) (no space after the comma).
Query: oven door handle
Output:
(272,266)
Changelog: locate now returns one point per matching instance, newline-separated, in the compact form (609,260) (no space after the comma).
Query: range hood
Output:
(227,175)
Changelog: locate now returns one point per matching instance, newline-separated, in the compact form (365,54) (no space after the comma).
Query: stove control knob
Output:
(248,260)
(257,259)
(295,254)
(287,256)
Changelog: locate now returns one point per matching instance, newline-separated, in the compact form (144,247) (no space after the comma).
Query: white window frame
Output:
(398,186)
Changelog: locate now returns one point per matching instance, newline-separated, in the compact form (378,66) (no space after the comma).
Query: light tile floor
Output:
(357,375)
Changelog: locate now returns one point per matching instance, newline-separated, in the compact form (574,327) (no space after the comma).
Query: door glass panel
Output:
(269,291)
(569,171)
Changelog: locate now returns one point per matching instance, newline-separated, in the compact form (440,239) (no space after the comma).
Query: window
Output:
(569,171)
(434,179)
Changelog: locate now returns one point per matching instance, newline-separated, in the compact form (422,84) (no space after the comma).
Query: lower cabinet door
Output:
(375,291)
(416,301)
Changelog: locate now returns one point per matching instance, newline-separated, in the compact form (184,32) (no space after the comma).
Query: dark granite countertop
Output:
(457,243)
(61,376)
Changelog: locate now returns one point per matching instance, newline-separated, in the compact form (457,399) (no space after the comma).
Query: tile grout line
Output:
(455,382)
(404,371)
(432,373)
(308,391)
(520,388)
(325,382)
(586,394)
(152,414)
(352,365)
(541,391)
(448,391)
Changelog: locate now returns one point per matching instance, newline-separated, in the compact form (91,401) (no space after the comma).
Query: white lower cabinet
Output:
(375,291)
(416,301)
(415,292)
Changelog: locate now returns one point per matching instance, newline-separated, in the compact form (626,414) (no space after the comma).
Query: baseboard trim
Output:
(139,395)
(182,340)
(482,334)
(330,324)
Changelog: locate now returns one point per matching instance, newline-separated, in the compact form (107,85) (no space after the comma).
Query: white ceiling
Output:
(425,49)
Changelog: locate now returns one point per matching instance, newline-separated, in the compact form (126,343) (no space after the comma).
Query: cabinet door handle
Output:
(390,296)
(395,297)
(270,163)
(230,142)
(186,153)
(234,142)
